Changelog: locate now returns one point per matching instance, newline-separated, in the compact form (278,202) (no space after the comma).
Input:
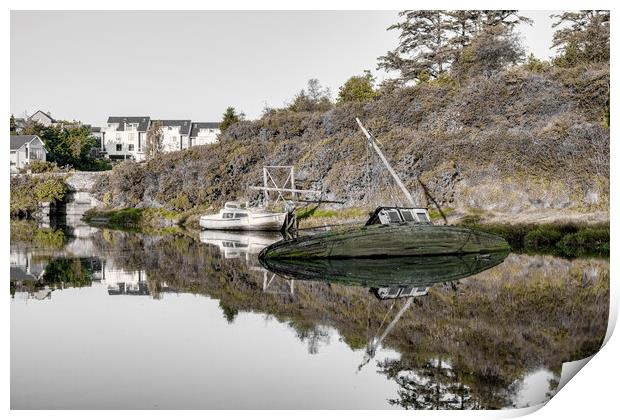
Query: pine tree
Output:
(432,40)
(424,50)
(13,125)
(584,37)
(229,118)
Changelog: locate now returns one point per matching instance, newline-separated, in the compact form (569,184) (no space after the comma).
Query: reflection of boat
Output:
(235,216)
(418,272)
(237,244)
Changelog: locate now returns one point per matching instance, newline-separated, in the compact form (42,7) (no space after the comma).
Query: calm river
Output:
(107,319)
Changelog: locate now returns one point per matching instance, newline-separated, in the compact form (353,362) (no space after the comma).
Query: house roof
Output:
(183,124)
(143,122)
(44,113)
(18,141)
(198,125)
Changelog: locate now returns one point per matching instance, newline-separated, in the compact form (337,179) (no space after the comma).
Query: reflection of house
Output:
(25,275)
(24,150)
(123,282)
(24,268)
(204,133)
(125,137)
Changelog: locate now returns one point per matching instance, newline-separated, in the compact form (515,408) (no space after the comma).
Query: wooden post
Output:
(265,192)
(293,181)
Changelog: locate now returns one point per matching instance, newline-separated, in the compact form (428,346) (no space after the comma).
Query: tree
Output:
(432,40)
(13,125)
(358,89)
(230,117)
(154,140)
(69,146)
(489,52)
(582,37)
(317,98)
(423,50)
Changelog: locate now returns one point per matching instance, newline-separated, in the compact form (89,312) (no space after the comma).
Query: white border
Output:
(593,394)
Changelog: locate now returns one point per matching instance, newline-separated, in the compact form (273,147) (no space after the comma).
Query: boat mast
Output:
(372,142)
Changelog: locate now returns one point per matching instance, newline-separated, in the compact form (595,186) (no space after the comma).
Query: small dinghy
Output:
(235,216)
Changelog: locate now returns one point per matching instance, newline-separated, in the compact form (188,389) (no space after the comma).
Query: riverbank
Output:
(566,239)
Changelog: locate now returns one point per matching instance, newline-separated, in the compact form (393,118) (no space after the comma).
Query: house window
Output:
(119,147)
(118,138)
(36,154)
(130,147)
(131,137)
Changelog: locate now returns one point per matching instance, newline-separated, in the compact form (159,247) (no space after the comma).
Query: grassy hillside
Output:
(531,138)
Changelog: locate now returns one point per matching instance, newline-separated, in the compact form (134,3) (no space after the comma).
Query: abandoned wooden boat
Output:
(390,232)
(235,216)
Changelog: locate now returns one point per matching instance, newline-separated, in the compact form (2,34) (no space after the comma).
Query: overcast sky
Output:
(87,65)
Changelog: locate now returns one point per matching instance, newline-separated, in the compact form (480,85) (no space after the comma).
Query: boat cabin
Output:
(390,215)
(395,292)
(234,210)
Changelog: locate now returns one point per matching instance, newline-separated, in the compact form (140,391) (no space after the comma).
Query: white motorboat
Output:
(235,216)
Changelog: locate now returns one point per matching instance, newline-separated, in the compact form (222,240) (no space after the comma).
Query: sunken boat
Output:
(390,232)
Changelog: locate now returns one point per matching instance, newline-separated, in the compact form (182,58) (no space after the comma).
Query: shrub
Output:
(51,190)
(542,237)
(39,166)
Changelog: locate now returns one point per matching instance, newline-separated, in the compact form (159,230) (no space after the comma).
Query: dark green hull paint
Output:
(371,272)
(381,241)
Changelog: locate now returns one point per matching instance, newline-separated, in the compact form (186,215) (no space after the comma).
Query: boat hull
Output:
(381,241)
(266,222)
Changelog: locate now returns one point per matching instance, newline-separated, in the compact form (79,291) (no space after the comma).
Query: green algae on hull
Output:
(382,241)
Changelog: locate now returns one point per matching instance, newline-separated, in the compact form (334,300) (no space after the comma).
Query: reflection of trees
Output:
(315,336)
(67,272)
(229,313)
(435,385)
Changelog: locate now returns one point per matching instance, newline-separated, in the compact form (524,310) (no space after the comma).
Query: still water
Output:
(108,319)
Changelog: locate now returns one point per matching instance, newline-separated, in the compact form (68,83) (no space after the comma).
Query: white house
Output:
(42,118)
(26,149)
(204,133)
(175,134)
(125,137)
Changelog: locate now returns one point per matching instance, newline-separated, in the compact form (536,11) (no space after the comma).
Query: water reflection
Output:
(486,331)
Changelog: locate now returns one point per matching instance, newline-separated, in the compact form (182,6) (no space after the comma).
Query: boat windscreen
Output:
(422,217)
(407,216)
(394,217)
